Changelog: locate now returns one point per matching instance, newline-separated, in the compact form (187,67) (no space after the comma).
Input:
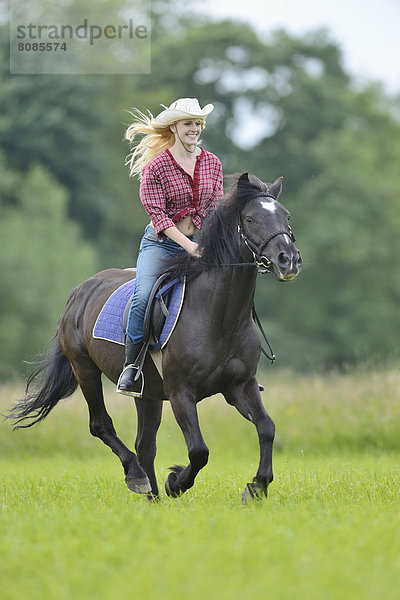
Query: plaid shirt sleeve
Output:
(218,188)
(153,197)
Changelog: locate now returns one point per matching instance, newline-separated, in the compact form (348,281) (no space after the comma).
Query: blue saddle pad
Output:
(109,324)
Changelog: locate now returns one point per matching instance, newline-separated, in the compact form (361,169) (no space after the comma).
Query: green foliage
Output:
(43,257)
(284,105)
(347,218)
(50,124)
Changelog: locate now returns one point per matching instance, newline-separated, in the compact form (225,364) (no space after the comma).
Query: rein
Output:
(256,318)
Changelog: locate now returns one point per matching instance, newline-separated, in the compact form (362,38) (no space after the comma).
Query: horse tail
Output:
(57,381)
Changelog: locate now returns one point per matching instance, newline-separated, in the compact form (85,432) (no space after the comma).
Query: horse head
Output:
(264,228)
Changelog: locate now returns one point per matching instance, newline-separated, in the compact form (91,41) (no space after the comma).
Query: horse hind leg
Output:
(149,419)
(88,376)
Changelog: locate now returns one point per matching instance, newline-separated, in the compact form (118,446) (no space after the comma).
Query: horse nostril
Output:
(283,259)
(299,260)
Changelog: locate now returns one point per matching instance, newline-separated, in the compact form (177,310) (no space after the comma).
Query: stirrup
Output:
(127,392)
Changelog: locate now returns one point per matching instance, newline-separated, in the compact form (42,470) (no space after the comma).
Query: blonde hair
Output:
(156,139)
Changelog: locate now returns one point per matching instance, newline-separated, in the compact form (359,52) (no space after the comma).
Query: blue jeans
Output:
(152,252)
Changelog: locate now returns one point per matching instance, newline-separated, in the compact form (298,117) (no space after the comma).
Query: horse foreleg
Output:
(101,425)
(182,478)
(247,400)
(149,418)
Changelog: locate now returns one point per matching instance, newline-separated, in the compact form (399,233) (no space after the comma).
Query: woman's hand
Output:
(194,249)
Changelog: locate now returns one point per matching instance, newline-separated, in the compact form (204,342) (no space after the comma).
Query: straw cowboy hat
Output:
(182,109)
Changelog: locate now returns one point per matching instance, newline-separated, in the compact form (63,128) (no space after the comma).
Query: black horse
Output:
(215,347)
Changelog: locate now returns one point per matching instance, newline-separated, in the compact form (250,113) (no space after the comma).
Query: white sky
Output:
(368,31)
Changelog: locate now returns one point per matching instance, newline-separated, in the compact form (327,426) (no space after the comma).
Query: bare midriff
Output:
(185,226)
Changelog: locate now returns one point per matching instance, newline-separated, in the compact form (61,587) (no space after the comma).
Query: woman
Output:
(180,184)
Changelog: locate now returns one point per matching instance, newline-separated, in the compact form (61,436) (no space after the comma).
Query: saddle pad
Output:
(109,323)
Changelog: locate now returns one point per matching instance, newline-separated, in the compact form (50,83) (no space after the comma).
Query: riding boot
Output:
(126,382)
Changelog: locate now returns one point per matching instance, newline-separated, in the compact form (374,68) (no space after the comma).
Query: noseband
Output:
(263,263)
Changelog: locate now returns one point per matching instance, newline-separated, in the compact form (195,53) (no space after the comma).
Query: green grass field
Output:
(330,528)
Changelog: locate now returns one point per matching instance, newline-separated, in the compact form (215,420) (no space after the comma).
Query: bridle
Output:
(263,265)
(262,262)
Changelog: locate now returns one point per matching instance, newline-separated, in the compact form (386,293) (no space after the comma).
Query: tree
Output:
(44,256)
(56,121)
(284,105)
(344,307)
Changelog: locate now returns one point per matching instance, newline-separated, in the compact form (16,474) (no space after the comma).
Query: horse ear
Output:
(243,178)
(275,188)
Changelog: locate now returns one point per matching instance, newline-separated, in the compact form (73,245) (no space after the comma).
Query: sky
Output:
(368,31)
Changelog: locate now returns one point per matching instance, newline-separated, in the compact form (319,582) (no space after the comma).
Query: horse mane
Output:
(218,239)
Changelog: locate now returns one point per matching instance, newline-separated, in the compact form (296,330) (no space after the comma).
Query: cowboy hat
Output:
(182,108)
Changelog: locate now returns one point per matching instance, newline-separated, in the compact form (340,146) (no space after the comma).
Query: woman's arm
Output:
(180,238)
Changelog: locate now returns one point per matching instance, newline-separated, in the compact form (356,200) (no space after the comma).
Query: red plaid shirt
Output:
(169,193)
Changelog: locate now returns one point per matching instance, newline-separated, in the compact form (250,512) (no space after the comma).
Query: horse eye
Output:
(249,220)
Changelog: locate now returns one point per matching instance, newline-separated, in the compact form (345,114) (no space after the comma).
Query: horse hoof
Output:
(139,486)
(252,494)
(171,479)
